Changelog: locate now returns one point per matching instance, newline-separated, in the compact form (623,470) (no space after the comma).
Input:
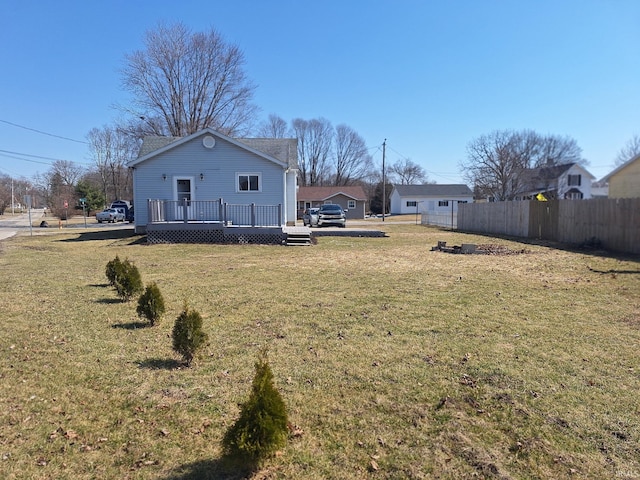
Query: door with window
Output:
(183,192)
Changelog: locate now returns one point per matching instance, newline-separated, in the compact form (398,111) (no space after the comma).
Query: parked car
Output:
(332,214)
(310,217)
(110,215)
(126,207)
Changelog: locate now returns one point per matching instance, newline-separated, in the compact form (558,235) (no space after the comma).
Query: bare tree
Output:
(407,172)
(273,127)
(351,161)
(110,149)
(315,138)
(495,162)
(631,149)
(183,82)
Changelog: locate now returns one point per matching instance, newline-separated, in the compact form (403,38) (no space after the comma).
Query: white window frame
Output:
(248,174)
(412,203)
(351,204)
(443,203)
(192,192)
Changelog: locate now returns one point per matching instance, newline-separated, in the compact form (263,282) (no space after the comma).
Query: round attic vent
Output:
(209,141)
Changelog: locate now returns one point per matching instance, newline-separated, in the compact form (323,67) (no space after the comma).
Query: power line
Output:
(43,133)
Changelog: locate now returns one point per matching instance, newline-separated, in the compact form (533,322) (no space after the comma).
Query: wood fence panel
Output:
(613,223)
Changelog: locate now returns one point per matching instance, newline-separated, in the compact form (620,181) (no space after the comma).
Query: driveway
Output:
(10,225)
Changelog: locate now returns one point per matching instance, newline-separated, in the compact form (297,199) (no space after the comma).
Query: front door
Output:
(183,192)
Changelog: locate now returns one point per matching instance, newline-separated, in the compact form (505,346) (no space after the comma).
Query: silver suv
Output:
(332,214)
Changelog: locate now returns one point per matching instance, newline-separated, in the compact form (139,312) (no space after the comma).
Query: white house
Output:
(198,178)
(569,181)
(430,198)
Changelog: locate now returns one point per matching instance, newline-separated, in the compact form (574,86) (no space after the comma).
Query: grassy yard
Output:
(395,362)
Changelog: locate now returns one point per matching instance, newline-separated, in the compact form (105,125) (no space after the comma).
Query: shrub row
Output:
(261,428)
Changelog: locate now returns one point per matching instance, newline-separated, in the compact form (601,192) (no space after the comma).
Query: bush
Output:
(128,282)
(114,267)
(151,304)
(261,428)
(188,336)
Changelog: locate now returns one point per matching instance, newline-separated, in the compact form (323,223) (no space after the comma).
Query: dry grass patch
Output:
(394,361)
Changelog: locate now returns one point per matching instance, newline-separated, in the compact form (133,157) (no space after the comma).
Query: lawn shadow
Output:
(99,285)
(108,234)
(109,301)
(215,469)
(130,325)
(160,364)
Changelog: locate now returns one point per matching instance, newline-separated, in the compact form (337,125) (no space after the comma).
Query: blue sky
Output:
(427,76)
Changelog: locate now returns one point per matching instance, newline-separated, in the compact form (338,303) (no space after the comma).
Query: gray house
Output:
(350,198)
(429,198)
(210,181)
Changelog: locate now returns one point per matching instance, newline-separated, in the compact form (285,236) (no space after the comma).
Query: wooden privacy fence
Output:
(612,223)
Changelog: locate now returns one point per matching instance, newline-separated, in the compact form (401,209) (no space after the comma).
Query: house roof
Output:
(619,168)
(279,150)
(433,190)
(542,178)
(324,193)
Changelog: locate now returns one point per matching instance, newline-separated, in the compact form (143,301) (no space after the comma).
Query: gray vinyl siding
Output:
(219,165)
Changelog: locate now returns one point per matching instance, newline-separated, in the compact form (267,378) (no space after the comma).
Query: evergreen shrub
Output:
(187,335)
(151,304)
(261,428)
(128,282)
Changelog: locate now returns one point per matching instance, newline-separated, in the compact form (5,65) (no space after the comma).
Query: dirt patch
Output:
(495,249)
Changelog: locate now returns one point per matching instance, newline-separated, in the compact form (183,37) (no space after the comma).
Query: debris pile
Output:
(483,249)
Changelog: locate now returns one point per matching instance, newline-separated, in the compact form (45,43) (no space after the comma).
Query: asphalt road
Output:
(11,225)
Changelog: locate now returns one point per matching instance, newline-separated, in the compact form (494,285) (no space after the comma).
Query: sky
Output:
(426,76)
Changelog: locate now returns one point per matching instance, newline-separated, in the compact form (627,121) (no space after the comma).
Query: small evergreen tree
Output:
(128,282)
(187,335)
(261,428)
(151,304)
(113,269)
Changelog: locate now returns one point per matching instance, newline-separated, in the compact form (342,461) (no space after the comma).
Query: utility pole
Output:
(384,180)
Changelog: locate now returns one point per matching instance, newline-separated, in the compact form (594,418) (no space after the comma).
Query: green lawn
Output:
(395,361)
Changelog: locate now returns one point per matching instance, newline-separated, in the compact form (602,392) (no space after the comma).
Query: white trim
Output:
(174,185)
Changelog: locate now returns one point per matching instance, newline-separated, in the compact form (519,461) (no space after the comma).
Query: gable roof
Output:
(283,151)
(544,177)
(433,190)
(325,193)
(619,168)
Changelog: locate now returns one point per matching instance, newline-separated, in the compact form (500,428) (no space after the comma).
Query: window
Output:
(574,196)
(574,180)
(411,203)
(248,182)
(351,204)
(443,203)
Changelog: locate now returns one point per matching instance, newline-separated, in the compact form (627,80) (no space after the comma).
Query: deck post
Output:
(185,214)
(253,214)
(280,214)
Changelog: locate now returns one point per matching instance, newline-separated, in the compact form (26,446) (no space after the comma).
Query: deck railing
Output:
(214,211)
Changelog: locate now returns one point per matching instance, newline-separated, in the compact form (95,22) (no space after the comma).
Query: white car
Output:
(110,215)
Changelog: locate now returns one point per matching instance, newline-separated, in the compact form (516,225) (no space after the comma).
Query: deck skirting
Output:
(213,233)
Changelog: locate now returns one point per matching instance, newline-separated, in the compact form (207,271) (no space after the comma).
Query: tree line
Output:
(182,81)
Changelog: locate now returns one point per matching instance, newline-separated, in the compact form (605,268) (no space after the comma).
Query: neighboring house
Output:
(351,198)
(190,180)
(624,181)
(570,181)
(430,198)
